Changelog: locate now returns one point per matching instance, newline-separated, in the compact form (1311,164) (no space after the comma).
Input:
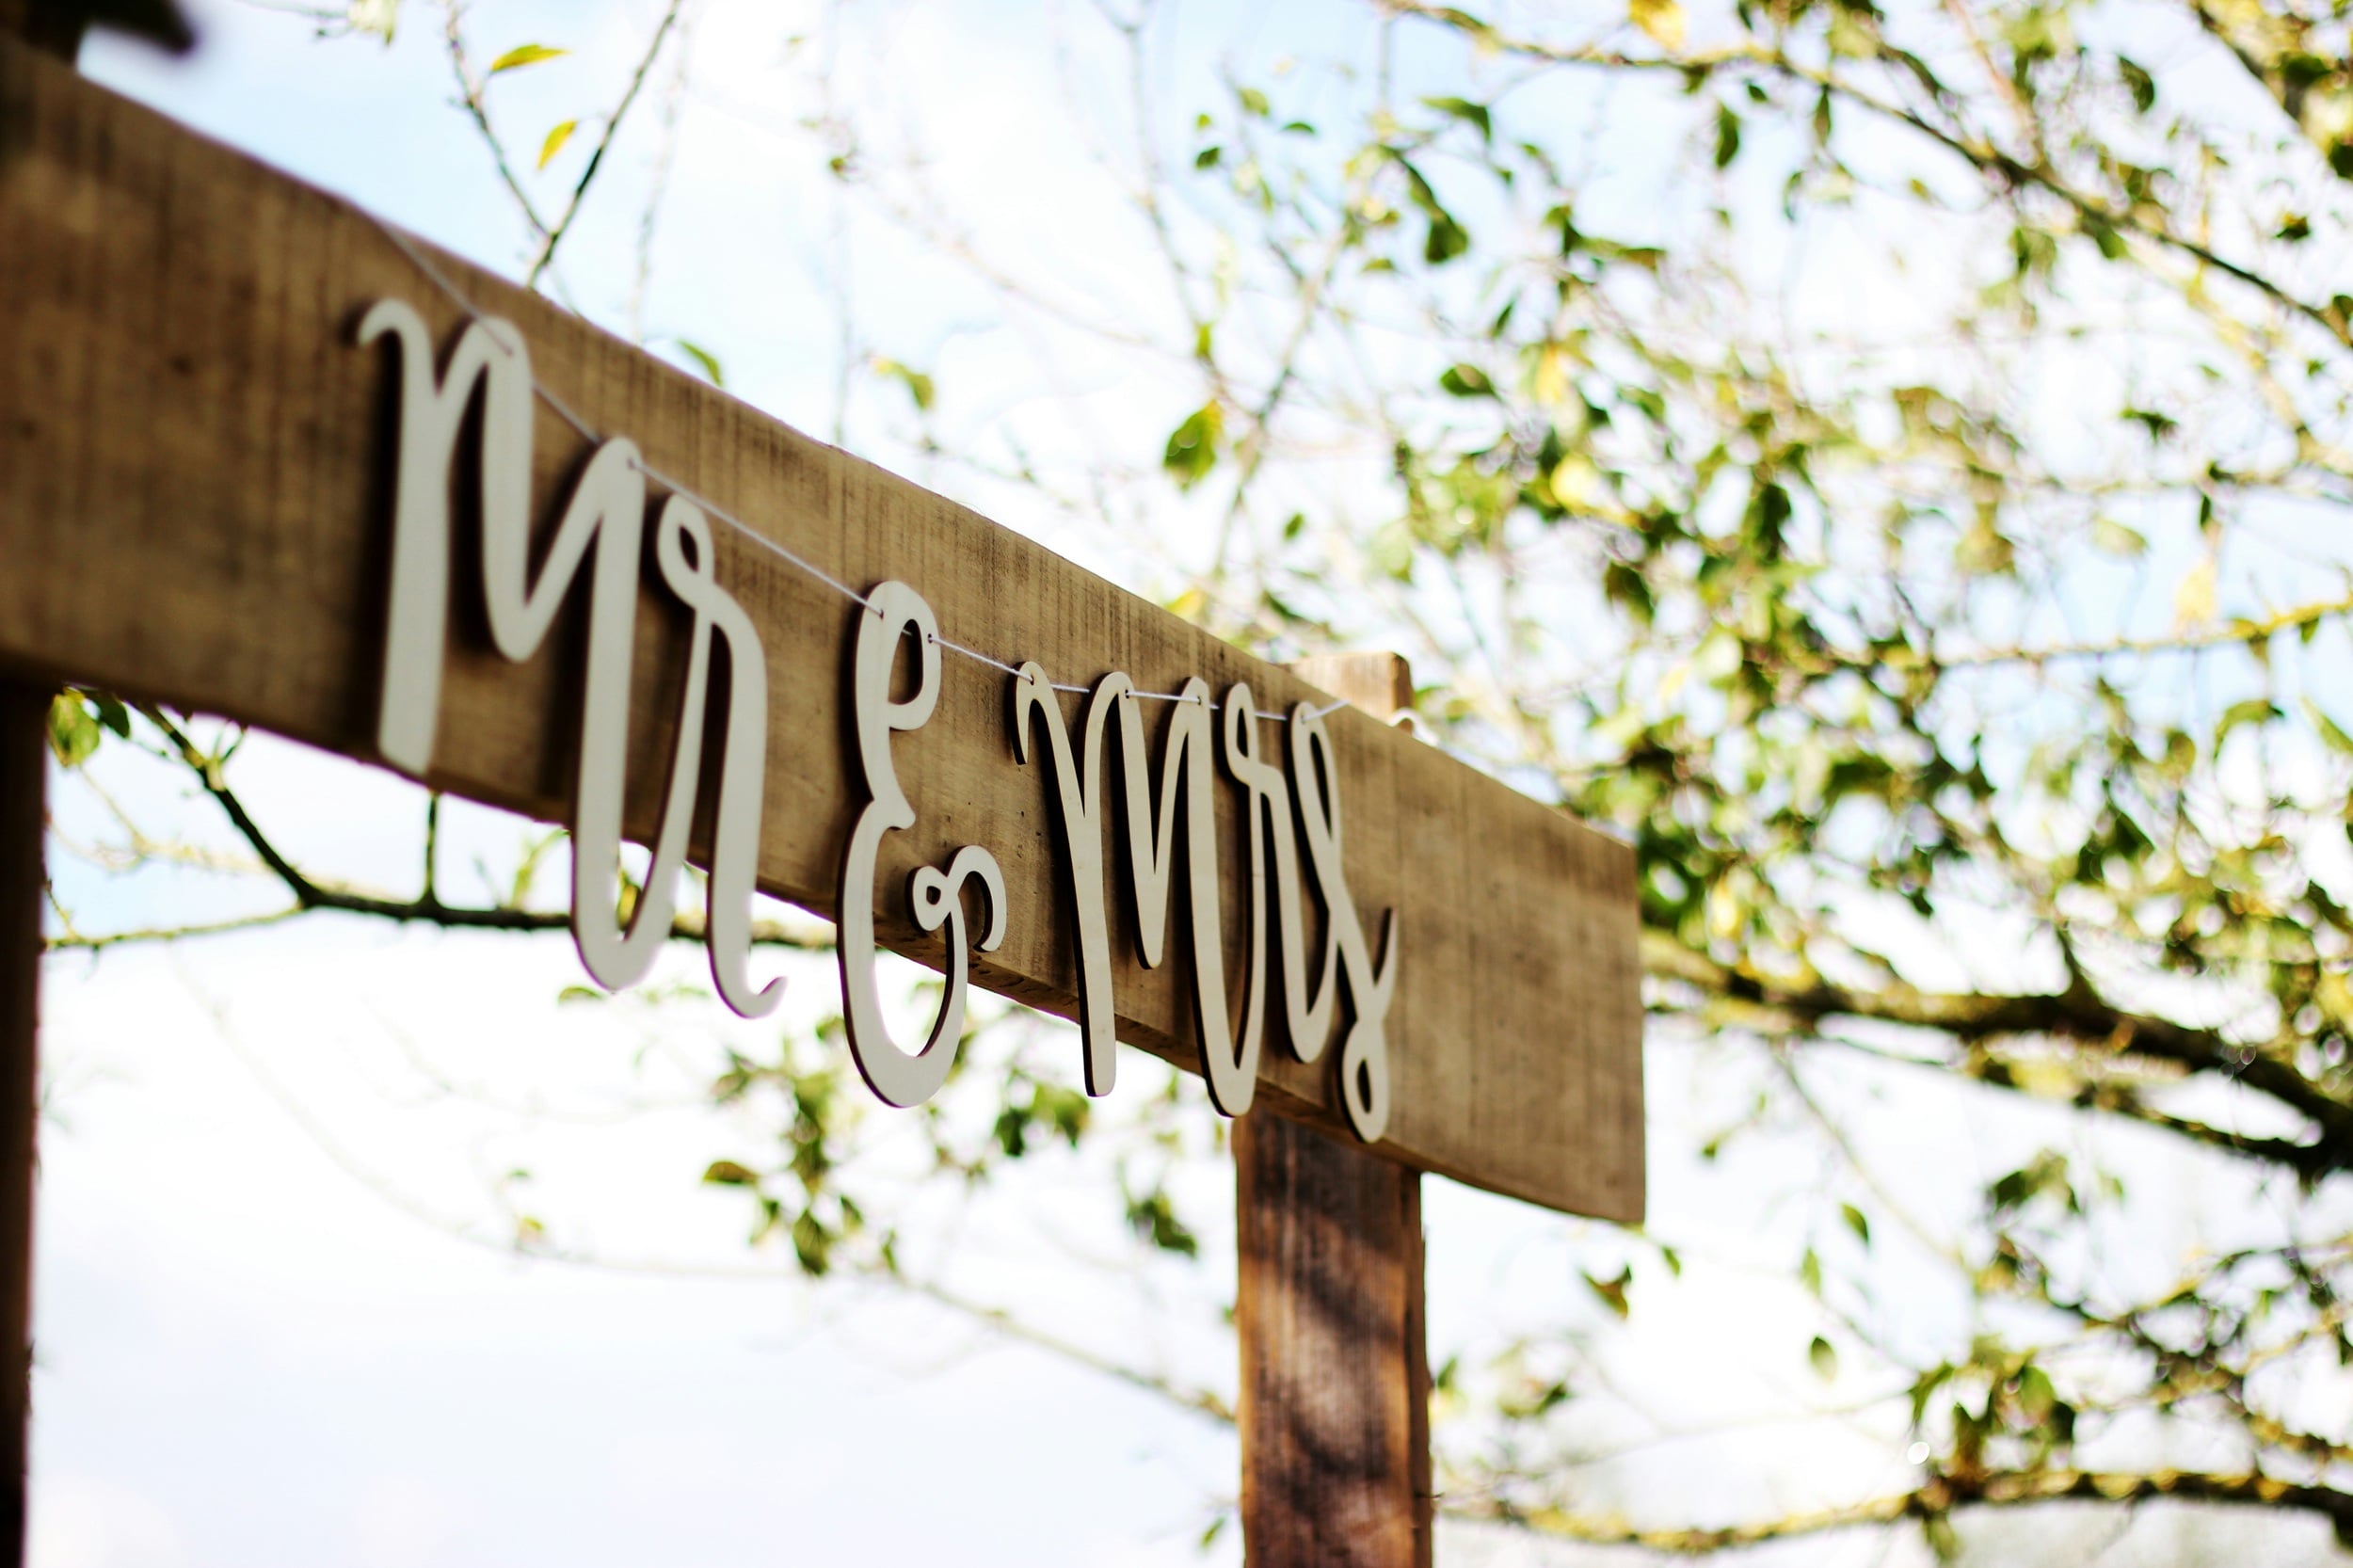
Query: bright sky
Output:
(262,1336)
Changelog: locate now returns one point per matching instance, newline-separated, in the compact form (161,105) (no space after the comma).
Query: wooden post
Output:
(24,816)
(1335,1369)
(23,757)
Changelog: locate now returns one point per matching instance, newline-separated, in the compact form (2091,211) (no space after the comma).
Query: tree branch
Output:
(2223,635)
(309,893)
(1934,1498)
(553,234)
(1987,159)
(471,91)
(2077,1015)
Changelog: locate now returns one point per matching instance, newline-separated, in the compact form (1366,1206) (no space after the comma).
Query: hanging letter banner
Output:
(265,457)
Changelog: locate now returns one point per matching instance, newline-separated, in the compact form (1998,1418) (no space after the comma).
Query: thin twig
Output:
(312,894)
(470,91)
(1983,156)
(553,234)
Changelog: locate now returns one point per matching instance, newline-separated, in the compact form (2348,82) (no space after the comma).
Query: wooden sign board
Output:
(196,483)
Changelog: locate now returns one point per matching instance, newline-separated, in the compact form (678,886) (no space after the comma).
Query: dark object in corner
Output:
(57,26)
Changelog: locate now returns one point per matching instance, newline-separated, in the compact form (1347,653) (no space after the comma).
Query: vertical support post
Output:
(24,760)
(24,781)
(1335,1408)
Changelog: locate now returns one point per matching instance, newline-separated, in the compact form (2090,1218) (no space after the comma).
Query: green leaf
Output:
(726,1173)
(2142,85)
(1613,1291)
(2254,709)
(1208,156)
(1391,554)
(705,360)
(111,714)
(919,386)
(556,138)
(1193,446)
(1823,1357)
(1468,381)
(812,1246)
(580,993)
(1153,1218)
(1856,1222)
(2033,251)
(2114,539)
(2338,739)
(2044,1175)
(1727,136)
(1662,20)
(1447,240)
(1474,115)
(523,55)
(1849,33)
(2194,595)
(74,733)
(1253,102)
(2036,1396)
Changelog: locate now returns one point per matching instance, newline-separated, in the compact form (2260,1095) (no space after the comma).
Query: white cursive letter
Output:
(901,1079)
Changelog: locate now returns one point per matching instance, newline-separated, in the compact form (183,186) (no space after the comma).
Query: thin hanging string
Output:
(581,427)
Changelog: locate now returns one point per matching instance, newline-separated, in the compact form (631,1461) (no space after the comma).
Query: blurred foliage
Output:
(1913,527)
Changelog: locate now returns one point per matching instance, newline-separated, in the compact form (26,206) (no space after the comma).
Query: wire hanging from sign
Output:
(581,427)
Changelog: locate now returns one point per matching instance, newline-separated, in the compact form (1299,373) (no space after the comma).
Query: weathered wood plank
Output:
(194,497)
(1335,1410)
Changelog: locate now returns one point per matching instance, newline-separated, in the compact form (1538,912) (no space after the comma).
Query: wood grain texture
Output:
(23,886)
(1335,1409)
(194,502)
(24,762)
(1380,683)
